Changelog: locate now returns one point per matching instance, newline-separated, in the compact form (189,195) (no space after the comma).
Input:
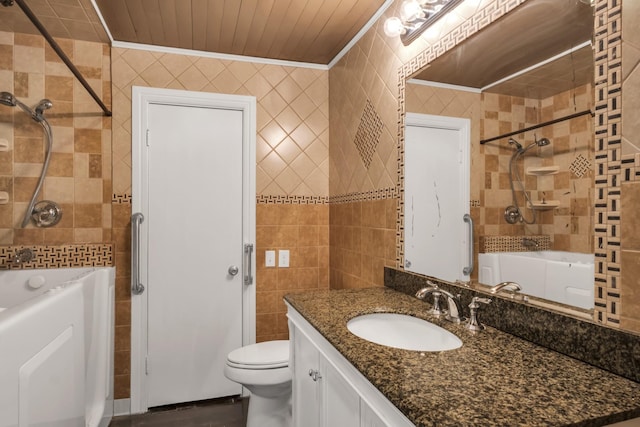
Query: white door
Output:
(436,196)
(193,195)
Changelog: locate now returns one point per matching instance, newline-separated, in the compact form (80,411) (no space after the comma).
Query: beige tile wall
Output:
(292,171)
(303,229)
(293,112)
(362,236)
(79,176)
(630,200)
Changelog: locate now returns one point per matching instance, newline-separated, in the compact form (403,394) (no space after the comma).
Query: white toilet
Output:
(263,369)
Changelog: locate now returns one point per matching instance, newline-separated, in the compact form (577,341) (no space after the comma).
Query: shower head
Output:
(7,99)
(542,142)
(44,104)
(537,143)
(516,143)
(36,114)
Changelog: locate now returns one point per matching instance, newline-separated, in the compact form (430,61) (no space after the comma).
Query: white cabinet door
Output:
(306,392)
(321,395)
(340,403)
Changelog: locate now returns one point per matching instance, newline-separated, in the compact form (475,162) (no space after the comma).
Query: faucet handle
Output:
(505,286)
(436,310)
(433,289)
(473,324)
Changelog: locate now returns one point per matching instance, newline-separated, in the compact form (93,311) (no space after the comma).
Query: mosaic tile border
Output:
(608,121)
(121,199)
(291,200)
(491,244)
(60,256)
(466,29)
(381,194)
(630,165)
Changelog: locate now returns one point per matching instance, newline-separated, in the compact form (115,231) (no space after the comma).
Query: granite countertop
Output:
(494,379)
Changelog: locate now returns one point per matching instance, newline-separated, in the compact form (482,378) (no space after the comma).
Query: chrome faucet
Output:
(21,256)
(455,313)
(505,286)
(437,293)
(473,324)
(530,243)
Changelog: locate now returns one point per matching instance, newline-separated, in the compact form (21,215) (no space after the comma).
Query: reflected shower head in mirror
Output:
(538,143)
(542,142)
(516,143)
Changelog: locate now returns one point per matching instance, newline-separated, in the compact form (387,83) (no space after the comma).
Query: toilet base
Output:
(272,409)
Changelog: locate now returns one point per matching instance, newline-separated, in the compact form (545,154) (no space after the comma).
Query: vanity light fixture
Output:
(415,17)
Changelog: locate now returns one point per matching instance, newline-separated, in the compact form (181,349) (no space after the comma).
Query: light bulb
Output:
(393,27)
(410,10)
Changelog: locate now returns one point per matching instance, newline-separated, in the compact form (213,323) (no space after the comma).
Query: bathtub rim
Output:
(555,306)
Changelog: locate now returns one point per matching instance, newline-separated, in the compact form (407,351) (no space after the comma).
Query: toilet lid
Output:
(263,355)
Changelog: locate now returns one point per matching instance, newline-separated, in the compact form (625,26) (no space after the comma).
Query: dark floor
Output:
(226,412)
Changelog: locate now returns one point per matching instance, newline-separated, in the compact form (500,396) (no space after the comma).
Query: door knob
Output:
(233,270)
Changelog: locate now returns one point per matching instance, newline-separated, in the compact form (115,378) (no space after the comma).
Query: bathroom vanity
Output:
(494,379)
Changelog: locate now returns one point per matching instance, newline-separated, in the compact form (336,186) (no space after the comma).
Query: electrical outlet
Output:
(270,258)
(283,258)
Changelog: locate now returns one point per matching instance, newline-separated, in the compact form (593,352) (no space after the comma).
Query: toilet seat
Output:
(264,355)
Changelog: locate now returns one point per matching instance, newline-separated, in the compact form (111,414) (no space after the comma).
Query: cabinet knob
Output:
(314,374)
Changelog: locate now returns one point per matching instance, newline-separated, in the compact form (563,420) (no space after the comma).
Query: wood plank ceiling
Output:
(313,31)
(296,30)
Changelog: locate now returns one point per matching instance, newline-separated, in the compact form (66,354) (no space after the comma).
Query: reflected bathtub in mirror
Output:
(562,277)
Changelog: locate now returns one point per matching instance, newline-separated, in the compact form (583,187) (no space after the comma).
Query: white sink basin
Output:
(403,331)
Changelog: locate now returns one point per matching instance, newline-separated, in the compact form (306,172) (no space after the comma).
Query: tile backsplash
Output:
(303,230)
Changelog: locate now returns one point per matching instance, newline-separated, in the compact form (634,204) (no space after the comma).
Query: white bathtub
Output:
(56,347)
(564,277)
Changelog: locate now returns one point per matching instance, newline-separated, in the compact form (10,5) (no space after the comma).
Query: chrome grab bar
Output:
(248,251)
(469,269)
(136,286)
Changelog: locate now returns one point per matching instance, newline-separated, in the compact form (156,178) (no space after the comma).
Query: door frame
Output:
(463,126)
(141,98)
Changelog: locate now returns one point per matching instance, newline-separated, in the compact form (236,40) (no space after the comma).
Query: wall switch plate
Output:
(283,258)
(270,258)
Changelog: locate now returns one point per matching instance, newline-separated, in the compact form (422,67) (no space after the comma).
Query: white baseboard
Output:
(121,407)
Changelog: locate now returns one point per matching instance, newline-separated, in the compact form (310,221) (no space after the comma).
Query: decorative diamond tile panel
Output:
(580,166)
(368,134)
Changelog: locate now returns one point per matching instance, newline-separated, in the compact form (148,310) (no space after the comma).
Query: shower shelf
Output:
(544,205)
(543,170)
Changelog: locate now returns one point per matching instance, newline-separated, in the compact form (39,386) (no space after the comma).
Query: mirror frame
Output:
(607,126)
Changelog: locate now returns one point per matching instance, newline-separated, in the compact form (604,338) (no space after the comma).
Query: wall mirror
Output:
(532,66)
